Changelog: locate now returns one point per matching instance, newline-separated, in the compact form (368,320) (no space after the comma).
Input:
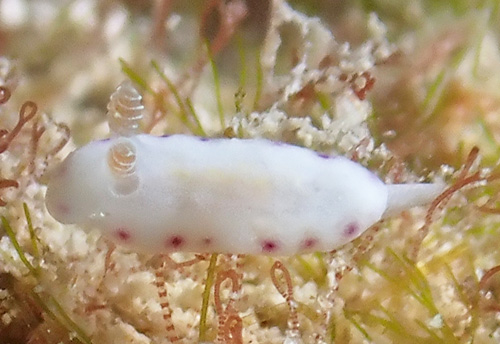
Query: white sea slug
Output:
(185,193)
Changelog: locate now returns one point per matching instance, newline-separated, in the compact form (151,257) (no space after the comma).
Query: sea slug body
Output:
(182,193)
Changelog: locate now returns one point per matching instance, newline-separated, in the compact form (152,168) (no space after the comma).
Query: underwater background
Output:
(410,90)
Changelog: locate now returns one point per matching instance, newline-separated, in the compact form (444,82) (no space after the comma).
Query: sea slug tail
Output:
(405,196)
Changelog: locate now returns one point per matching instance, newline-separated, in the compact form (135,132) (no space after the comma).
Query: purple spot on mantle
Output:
(175,241)
(63,208)
(61,170)
(323,155)
(269,246)
(204,139)
(351,230)
(123,234)
(309,243)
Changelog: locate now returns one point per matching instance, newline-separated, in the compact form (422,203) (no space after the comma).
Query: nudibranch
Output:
(242,196)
